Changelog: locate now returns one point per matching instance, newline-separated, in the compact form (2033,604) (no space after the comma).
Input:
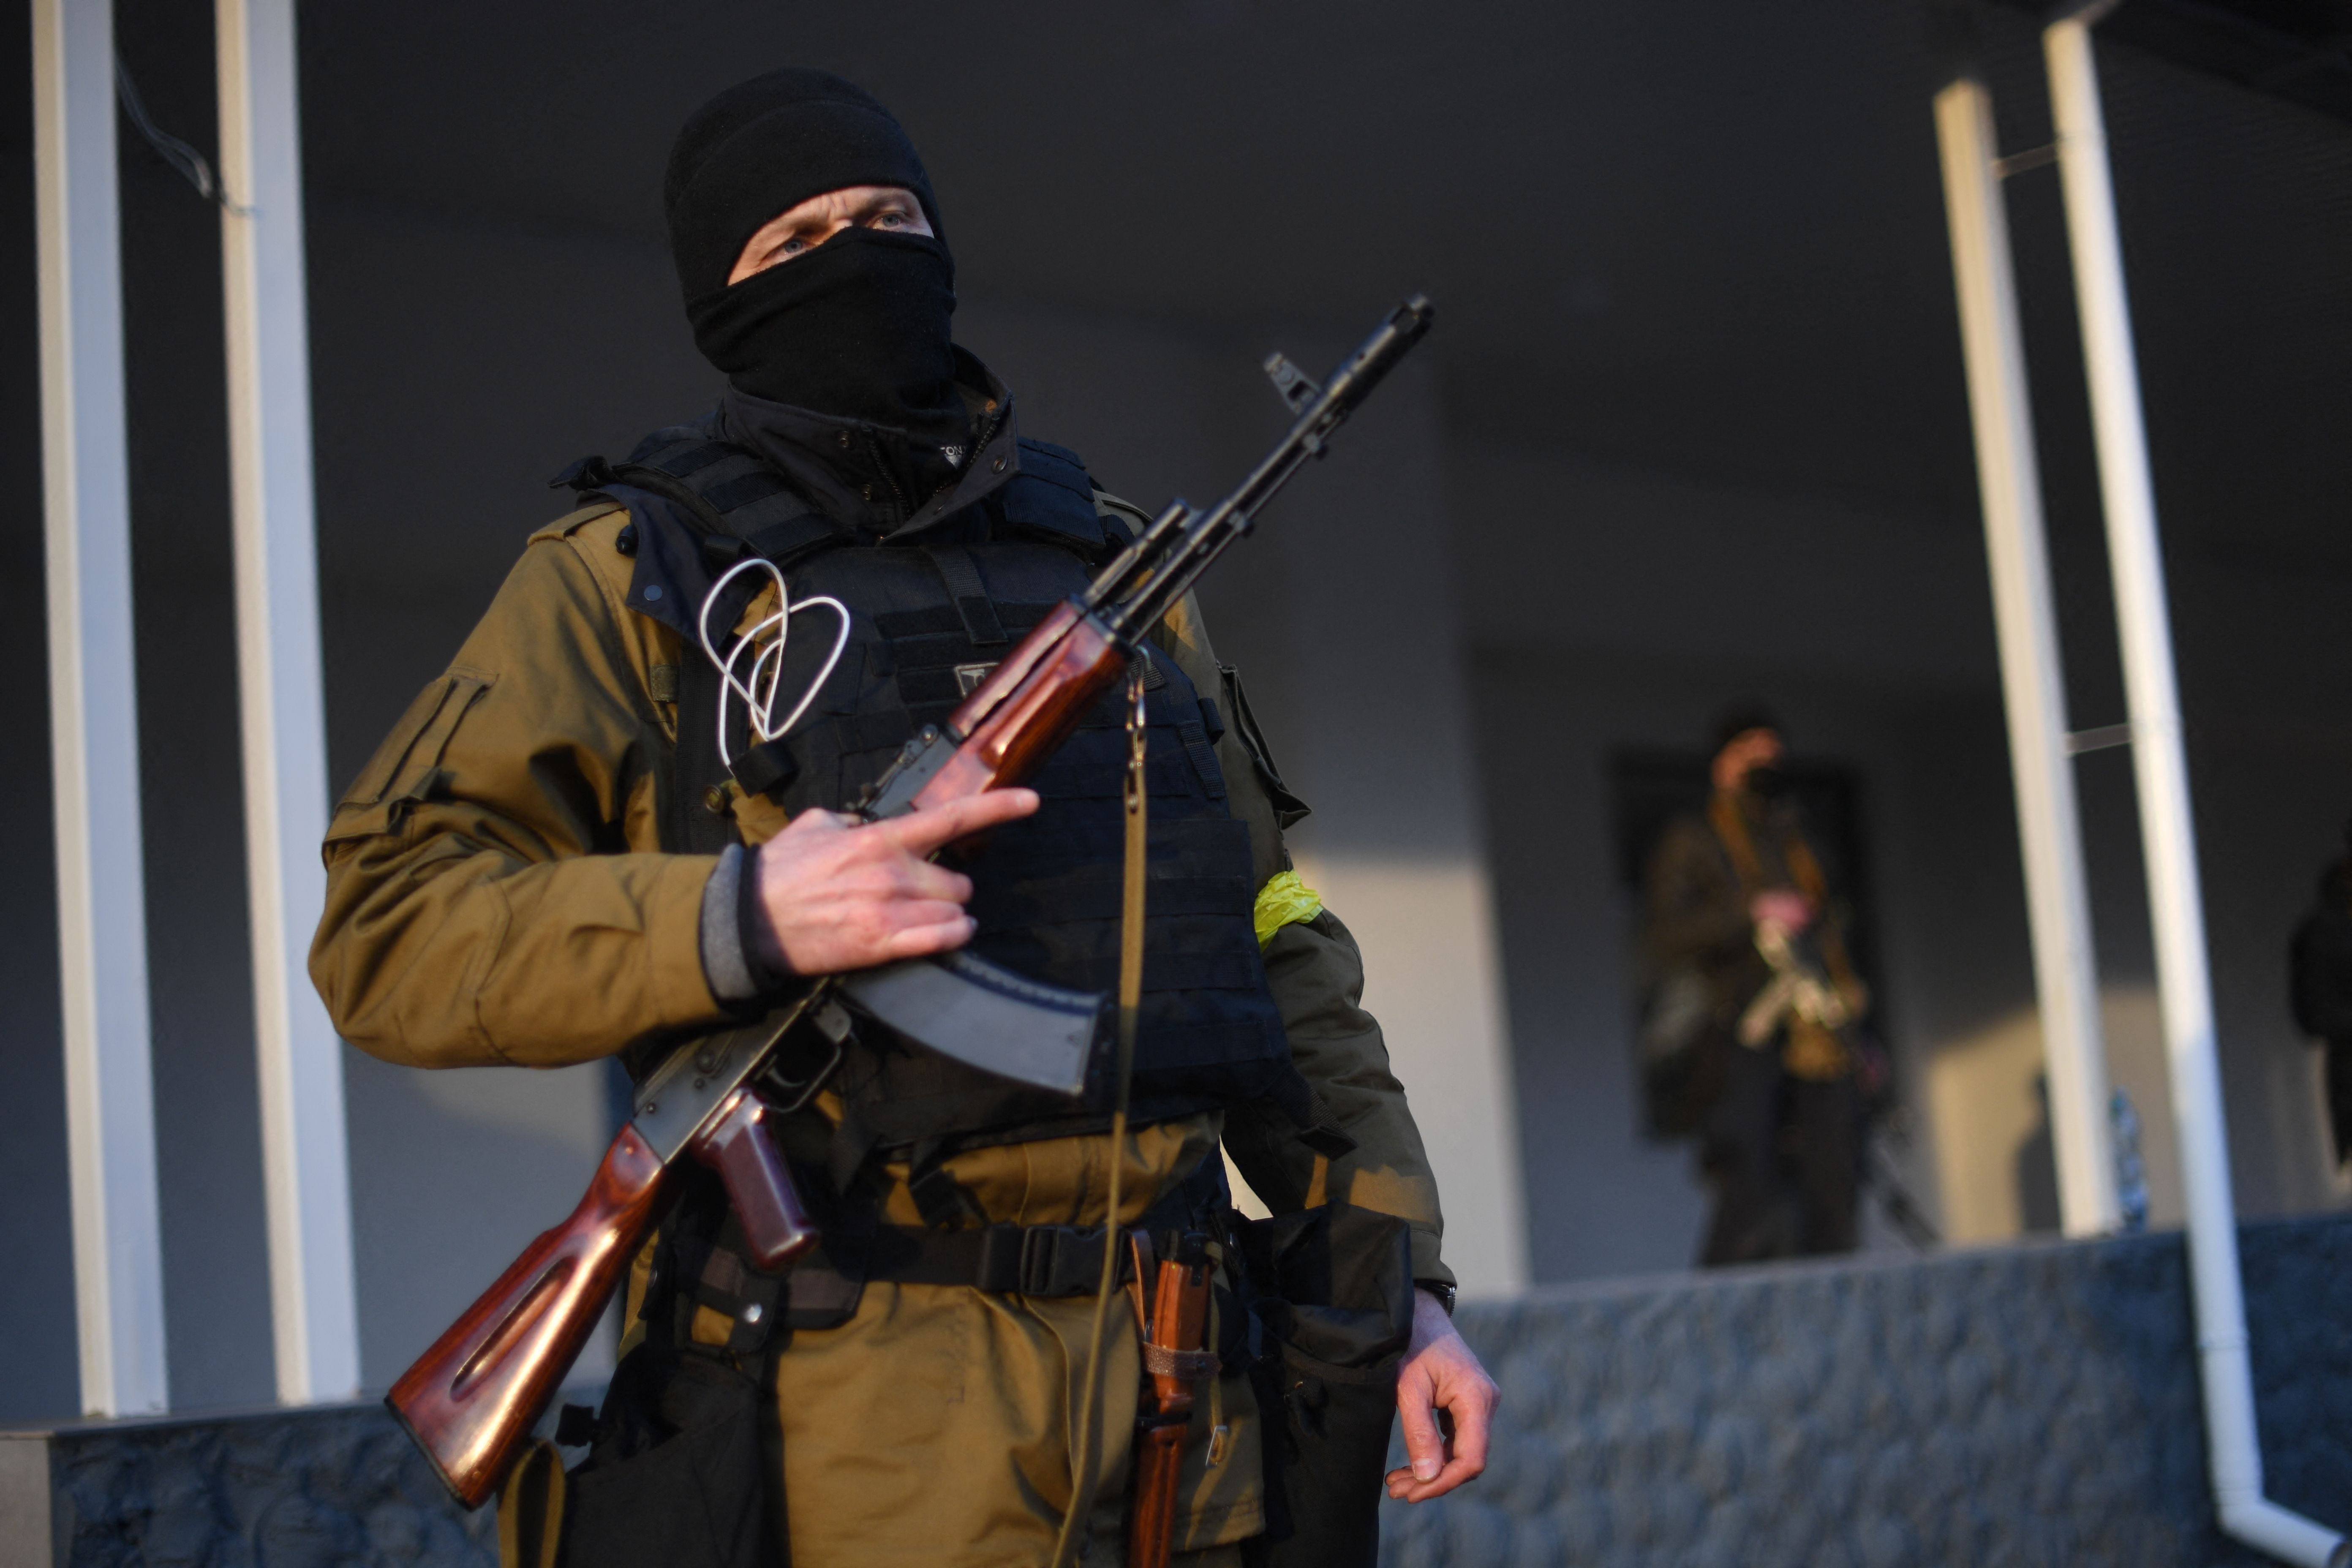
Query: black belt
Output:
(1005,1259)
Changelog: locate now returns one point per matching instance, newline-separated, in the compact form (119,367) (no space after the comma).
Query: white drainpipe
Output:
(2168,838)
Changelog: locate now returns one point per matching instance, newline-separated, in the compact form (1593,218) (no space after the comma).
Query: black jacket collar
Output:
(857,473)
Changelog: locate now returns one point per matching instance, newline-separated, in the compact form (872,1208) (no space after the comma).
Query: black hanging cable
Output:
(193,166)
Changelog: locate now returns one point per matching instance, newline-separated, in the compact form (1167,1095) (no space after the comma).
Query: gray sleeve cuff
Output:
(724,962)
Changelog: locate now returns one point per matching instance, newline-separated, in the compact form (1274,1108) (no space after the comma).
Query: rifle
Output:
(1798,989)
(471,1400)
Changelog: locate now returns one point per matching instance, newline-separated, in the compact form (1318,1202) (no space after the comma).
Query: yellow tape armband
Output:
(1283,901)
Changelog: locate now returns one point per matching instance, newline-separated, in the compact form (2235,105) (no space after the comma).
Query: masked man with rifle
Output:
(1750,1040)
(594,836)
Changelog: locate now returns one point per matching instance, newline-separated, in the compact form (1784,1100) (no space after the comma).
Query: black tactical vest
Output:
(929,620)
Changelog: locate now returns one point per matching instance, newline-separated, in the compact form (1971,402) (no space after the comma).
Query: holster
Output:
(689,1491)
(1172,1296)
(677,1470)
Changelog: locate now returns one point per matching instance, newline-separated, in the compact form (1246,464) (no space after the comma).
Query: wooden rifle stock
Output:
(470,1400)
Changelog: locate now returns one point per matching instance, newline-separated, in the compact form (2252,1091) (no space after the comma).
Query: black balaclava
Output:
(858,327)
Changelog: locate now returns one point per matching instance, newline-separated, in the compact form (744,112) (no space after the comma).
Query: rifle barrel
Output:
(1154,579)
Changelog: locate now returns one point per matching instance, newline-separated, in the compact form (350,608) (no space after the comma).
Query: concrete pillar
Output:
(93,715)
(2033,682)
(1376,734)
(306,1169)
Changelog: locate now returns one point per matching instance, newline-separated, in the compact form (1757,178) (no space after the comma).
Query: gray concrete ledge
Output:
(2022,1405)
(332,1486)
(2029,1404)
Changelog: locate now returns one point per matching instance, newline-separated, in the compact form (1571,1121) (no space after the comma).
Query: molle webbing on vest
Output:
(928,619)
(1047,888)
(962,576)
(736,504)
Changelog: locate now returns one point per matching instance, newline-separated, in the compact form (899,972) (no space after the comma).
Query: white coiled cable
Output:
(757,687)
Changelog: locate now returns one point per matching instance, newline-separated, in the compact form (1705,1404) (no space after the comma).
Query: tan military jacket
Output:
(498,893)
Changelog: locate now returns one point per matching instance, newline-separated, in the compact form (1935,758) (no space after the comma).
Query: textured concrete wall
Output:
(2022,1405)
(337,1487)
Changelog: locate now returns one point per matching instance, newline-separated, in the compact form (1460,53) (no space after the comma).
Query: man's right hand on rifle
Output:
(837,894)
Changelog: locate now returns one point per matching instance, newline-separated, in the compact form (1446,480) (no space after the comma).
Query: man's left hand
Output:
(1440,1372)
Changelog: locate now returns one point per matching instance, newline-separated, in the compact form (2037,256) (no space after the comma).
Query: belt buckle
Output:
(1041,1255)
(1056,1260)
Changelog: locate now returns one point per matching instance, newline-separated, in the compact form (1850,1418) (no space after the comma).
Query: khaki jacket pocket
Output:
(407,767)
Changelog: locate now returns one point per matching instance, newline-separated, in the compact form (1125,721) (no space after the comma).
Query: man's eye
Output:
(891,220)
(793,246)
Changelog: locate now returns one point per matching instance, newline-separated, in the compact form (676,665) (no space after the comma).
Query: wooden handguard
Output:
(471,1399)
(1028,705)
(736,1144)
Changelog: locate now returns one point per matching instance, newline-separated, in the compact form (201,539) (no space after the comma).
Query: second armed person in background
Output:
(1753,992)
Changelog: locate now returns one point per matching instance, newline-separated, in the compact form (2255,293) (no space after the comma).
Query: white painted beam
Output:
(1394,845)
(306,1168)
(2167,833)
(93,715)
(2034,684)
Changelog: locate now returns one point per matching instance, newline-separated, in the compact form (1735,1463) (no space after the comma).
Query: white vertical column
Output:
(2168,836)
(93,715)
(306,1169)
(1384,750)
(2032,680)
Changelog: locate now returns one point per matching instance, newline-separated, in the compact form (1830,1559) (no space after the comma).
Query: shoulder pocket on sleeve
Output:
(405,767)
(1288,808)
